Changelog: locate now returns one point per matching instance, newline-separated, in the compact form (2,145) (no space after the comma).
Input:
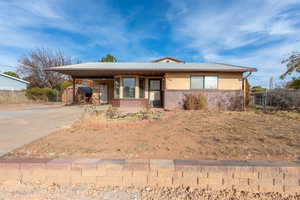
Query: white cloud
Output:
(23,25)
(250,33)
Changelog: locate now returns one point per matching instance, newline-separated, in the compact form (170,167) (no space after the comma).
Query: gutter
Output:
(250,70)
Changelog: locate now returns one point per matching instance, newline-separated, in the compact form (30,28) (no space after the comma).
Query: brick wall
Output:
(129,103)
(283,177)
(216,99)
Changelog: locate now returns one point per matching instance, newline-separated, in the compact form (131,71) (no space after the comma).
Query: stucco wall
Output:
(226,81)
(11,84)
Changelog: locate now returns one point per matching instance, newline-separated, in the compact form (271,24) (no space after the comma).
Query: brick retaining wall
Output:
(129,103)
(250,176)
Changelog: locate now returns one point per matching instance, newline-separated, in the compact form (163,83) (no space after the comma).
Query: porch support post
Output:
(146,88)
(137,88)
(73,83)
(121,88)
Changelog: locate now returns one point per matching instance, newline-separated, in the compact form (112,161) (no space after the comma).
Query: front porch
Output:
(139,91)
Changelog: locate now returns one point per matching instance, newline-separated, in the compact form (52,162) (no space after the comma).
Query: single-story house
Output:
(12,83)
(163,82)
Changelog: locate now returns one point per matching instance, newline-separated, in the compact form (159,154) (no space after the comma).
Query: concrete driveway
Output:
(19,127)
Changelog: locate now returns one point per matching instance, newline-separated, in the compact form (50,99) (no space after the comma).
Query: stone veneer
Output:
(216,99)
(283,177)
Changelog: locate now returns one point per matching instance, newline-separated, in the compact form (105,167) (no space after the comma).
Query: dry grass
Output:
(179,135)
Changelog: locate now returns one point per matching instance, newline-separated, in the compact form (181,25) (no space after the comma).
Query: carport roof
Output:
(108,68)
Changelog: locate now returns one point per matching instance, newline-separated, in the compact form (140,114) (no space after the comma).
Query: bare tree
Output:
(33,64)
(292,64)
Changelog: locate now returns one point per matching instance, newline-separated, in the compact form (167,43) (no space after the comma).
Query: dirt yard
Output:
(178,135)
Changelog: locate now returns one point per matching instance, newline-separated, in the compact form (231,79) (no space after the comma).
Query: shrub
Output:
(42,94)
(194,102)
(65,84)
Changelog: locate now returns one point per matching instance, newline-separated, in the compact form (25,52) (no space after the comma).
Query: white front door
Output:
(103,94)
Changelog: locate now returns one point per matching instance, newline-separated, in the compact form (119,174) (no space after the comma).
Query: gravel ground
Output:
(88,192)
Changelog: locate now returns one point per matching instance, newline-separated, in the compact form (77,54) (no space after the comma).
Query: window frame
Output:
(211,88)
(202,83)
(204,88)
(123,87)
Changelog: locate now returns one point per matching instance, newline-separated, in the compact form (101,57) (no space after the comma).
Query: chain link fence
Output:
(276,99)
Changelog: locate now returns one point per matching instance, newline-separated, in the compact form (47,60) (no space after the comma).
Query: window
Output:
(204,82)
(142,87)
(155,85)
(117,88)
(211,82)
(197,82)
(129,87)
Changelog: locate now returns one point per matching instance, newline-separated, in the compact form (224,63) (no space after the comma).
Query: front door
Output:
(103,94)
(155,92)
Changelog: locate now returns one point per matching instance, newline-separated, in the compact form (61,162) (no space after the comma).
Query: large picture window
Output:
(129,87)
(117,88)
(142,87)
(204,82)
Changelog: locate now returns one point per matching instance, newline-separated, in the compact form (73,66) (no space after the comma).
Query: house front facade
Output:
(162,83)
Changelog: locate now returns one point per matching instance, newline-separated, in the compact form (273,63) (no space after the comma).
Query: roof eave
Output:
(155,70)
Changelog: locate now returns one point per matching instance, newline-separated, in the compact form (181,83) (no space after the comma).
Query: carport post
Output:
(73,81)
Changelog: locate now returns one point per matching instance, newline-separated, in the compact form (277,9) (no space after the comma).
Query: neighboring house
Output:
(12,83)
(162,83)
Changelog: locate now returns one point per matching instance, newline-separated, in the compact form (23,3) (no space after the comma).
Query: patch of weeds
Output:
(113,113)
(189,149)
(141,147)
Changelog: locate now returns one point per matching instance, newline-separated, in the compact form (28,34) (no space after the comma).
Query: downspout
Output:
(244,89)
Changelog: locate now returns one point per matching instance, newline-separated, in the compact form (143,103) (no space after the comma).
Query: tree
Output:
(108,58)
(257,88)
(292,63)
(33,65)
(294,84)
(13,74)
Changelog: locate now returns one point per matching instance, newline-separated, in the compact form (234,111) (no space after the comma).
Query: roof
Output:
(167,58)
(105,68)
(14,78)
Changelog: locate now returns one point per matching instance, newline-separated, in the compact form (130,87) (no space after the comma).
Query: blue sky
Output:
(254,33)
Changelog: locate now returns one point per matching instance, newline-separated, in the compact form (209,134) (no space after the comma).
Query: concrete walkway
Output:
(19,127)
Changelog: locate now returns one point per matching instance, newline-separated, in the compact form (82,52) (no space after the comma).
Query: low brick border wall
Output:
(283,177)
(129,103)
